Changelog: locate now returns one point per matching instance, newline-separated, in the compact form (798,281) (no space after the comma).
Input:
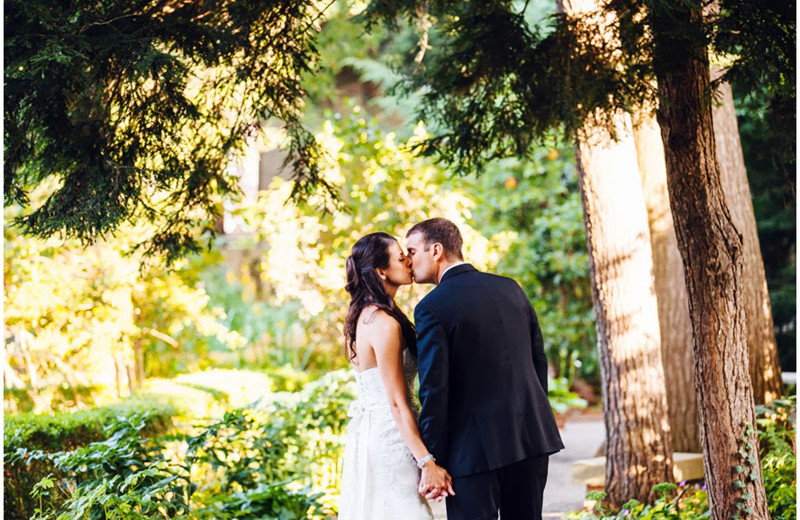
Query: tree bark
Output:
(711,250)
(670,287)
(673,310)
(638,446)
(765,369)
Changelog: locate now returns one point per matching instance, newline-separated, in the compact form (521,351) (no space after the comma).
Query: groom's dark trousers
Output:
(483,389)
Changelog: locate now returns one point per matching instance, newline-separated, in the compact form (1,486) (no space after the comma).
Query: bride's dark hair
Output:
(366,288)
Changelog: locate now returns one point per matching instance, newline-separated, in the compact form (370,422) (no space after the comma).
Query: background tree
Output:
(86,325)
(670,286)
(765,369)
(133,109)
(771,172)
(638,444)
(669,276)
(757,43)
(615,215)
(711,249)
(499,82)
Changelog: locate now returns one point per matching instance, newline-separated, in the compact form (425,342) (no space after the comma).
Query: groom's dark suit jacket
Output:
(483,374)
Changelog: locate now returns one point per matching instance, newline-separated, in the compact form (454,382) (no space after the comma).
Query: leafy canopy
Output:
(136,107)
(497,80)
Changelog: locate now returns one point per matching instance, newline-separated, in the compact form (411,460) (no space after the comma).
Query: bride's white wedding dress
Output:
(380,476)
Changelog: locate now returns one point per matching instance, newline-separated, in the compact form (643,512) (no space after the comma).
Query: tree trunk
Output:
(765,369)
(130,371)
(638,453)
(138,352)
(117,377)
(670,287)
(638,446)
(711,250)
(673,310)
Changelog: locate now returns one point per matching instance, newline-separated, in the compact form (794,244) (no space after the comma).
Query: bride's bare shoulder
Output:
(374,320)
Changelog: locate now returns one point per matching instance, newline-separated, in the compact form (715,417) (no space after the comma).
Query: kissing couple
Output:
(485,430)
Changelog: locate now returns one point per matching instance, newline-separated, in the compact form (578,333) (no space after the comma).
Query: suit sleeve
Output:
(537,347)
(434,370)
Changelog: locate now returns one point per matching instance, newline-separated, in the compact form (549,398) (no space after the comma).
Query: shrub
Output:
(296,437)
(25,435)
(65,430)
(129,477)
(274,459)
(269,501)
(285,378)
(673,503)
(777,432)
(126,473)
(58,397)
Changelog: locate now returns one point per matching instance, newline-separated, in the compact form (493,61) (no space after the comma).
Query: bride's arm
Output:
(385,336)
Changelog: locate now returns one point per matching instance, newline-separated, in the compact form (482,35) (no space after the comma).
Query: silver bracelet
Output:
(424,460)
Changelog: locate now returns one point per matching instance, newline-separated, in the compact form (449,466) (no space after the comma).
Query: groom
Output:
(483,383)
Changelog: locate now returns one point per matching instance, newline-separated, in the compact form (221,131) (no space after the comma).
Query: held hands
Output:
(435,482)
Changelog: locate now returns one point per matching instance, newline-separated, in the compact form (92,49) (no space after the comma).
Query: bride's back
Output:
(373,324)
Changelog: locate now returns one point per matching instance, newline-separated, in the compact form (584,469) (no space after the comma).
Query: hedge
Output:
(26,433)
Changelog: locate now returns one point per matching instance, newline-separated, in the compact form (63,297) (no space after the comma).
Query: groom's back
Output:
(497,407)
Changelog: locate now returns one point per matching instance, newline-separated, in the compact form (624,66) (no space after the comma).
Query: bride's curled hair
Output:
(366,288)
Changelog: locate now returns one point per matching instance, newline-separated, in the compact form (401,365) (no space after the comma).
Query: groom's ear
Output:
(438,251)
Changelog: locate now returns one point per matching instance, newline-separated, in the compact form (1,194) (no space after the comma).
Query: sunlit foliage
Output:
(276,459)
(382,187)
(98,319)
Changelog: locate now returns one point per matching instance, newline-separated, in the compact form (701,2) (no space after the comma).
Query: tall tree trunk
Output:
(670,287)
(638,446)
(673,310)
(765,369)
(711,250)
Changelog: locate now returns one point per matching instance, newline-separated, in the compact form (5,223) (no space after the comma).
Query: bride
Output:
(384,451)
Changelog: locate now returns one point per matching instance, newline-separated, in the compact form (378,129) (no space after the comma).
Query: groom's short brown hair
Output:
(441,231)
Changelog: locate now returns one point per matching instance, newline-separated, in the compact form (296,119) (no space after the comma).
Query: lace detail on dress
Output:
(380,476)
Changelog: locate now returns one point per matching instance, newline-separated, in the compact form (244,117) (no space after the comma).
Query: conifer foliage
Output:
(135,108)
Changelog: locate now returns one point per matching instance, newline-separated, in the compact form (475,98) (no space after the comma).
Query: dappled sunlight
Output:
(236,387)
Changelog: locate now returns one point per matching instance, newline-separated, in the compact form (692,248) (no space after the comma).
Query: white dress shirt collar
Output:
(452,266)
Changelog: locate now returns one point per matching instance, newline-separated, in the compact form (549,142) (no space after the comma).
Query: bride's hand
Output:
(435,482)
